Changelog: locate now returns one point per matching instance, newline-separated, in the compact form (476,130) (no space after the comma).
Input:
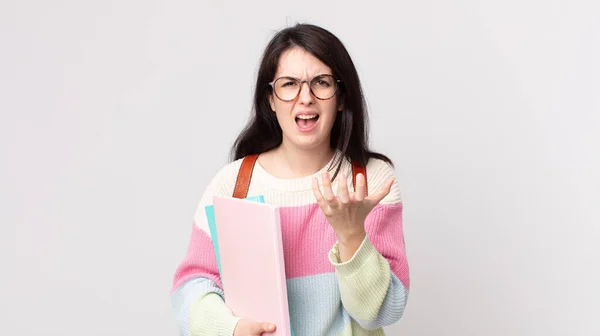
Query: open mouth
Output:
(307,122)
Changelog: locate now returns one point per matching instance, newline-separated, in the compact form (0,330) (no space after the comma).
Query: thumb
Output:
(260,327)
(382,192)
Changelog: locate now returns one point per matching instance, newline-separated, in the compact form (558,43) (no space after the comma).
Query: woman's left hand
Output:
(347,212)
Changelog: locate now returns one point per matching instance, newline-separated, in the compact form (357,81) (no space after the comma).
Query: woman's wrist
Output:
(349,243)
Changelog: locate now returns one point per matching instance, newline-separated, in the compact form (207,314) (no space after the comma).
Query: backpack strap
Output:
(244,176)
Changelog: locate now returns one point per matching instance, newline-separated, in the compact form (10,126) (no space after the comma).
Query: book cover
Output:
(211,219)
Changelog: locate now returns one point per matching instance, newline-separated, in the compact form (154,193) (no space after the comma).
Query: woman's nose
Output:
(306,96)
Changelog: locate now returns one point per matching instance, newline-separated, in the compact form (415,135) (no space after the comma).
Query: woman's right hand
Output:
(252,328)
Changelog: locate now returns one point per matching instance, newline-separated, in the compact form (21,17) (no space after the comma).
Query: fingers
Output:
(359,193)
(317,192)
(343,189)
(328,192)
(327,197)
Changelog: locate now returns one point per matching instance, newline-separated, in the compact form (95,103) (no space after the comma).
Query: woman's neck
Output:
(286,162)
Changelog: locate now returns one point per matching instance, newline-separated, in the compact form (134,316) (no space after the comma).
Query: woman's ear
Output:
(340,99)
(272,102)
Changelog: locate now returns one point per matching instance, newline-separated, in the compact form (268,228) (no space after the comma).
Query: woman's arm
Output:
(374,281)
(197,295)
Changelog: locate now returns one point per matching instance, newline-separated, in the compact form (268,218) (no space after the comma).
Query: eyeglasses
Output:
(287,88)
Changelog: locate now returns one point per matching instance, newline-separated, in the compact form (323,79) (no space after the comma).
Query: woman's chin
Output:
(306,142)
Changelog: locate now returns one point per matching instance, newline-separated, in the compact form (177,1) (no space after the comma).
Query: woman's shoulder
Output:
(378,173)
(222,182)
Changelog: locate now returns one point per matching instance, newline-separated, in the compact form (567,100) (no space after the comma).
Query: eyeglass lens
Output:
(287,88)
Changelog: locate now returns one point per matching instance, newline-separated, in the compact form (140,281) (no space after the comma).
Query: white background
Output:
(115,115)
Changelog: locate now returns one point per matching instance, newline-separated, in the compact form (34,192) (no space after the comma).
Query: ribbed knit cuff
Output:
(210,316)
(363,280)
(365,253)
(227,325)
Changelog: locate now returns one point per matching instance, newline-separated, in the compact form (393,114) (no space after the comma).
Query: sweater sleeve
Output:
(197,294)
(374,283)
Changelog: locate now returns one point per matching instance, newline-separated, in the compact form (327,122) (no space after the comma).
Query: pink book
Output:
(251,259)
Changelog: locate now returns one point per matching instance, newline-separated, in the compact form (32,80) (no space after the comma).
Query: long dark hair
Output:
(350,132)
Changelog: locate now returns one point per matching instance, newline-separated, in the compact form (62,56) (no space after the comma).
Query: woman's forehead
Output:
(299,63)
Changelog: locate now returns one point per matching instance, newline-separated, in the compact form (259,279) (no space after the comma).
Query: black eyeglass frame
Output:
(307,81)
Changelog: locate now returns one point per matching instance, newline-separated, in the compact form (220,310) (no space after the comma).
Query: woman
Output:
(307,149)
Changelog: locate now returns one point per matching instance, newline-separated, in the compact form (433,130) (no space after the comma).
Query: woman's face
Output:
(305,120)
